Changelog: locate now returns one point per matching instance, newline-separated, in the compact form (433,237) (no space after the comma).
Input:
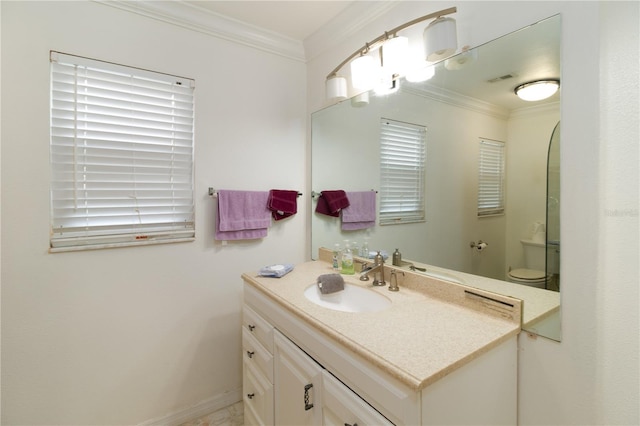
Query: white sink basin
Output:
(352,299)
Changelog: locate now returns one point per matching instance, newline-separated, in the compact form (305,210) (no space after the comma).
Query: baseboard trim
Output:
(198,410)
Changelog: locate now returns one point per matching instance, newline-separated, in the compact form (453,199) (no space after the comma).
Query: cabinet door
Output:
(344,407)
(297,385)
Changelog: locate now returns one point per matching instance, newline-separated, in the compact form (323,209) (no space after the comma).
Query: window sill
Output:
(117,245)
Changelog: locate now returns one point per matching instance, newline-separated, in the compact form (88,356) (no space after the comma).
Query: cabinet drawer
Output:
(344,407)
(250,418)
(258,327)
(257,396)
(254,353)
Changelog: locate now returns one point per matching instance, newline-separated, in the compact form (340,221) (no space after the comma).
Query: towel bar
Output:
(315,194)
(214,193)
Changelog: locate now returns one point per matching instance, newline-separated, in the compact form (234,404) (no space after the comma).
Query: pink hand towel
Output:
(331,202)
(361,212)
(282,203)
(242,215)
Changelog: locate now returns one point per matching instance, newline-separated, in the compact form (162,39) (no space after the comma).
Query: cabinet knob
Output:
(251,327)
(251,395)
(250,354)
(348,424)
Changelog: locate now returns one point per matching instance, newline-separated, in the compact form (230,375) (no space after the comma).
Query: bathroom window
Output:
(402,164)
(490,178)
(121,154)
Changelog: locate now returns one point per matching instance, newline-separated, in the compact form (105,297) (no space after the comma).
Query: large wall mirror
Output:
(470,98)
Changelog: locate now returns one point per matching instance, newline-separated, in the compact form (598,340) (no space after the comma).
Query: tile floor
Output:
(229,416)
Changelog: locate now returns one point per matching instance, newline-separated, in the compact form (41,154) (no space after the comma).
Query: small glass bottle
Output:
(355,248)
(347,260)
(364,250)
(337,257)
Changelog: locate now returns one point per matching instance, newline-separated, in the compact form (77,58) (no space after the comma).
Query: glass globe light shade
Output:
(537,90)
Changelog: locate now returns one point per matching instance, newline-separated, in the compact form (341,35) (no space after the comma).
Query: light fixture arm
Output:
(379,40)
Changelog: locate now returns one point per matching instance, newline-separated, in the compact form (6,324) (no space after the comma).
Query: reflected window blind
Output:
(402,171)
(121,155)
(491,178)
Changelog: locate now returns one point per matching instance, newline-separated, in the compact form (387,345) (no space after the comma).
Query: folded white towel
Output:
(276,271)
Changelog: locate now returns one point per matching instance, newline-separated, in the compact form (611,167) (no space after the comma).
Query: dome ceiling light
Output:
(537,90)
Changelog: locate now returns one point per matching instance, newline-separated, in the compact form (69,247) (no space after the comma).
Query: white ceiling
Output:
(293,19)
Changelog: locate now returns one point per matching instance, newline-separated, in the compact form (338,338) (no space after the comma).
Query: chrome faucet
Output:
(377,269)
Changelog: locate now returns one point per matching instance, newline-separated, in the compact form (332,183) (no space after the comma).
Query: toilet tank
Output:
(534,254)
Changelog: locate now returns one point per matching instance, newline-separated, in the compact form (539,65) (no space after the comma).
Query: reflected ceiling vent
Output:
(503,77)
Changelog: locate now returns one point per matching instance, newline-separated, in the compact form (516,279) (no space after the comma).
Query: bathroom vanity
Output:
(436,353)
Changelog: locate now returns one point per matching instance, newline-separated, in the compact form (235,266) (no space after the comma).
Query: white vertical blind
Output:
(490,178)
(402,171)
(121,154)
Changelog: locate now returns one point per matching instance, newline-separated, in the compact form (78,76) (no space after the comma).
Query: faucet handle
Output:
(393,283)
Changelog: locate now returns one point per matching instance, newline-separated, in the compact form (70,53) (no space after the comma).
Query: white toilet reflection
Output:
(533,273)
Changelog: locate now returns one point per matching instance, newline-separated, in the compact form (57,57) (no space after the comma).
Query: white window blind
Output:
(490,178)
(402,171)
(121,155)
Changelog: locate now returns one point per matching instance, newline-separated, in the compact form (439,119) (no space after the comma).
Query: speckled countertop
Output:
(431,328)
(537,303)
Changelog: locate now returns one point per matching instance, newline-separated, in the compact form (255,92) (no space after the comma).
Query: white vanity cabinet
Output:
(309,378)
(283,385)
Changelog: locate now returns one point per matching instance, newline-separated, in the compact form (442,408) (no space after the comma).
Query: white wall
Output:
(528,144)
(125,335)
(591,377)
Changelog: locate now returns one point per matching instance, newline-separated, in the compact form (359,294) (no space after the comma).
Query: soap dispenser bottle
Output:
(397,258)
(347,260)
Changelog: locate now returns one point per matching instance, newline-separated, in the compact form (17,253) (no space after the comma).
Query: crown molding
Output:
(345,25)
(195,18)
(452,98)
(473,104)
(528,111)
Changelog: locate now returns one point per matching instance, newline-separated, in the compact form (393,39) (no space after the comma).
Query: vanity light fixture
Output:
(394,57)
(394,53)
(537,90)
(336,88)
(462,59)
(360,100)
(422,71)
(364,72)
(440,39)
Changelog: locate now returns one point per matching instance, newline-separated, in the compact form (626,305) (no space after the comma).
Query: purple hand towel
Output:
(361,213)
(242,215)
(282,203)
(331,202)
